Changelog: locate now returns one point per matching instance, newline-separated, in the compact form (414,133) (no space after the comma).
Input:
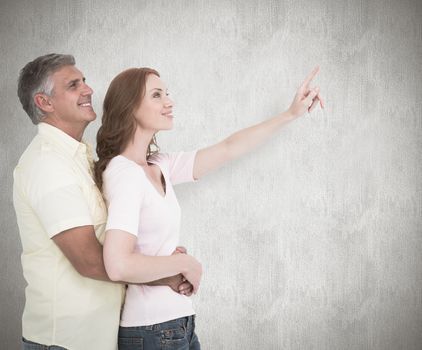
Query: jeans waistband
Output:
(187,322)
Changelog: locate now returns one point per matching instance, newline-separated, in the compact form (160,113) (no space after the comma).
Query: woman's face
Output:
(156,110)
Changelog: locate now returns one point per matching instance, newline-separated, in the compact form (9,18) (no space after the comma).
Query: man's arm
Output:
(85,253)
(178,283)
(82,249)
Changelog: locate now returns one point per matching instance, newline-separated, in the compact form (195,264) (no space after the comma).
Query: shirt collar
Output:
(63,140)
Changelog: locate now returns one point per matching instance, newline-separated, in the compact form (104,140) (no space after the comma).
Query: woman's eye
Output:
(156,95)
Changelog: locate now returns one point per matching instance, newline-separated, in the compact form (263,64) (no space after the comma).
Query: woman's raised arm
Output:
(245,140)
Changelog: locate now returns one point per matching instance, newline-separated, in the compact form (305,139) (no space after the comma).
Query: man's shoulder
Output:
(43,164)
(41,153)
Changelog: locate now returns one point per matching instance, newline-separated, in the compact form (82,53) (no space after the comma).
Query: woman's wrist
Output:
(181,262)
(287,116)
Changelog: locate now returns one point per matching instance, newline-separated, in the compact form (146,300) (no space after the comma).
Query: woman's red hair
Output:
(123,97)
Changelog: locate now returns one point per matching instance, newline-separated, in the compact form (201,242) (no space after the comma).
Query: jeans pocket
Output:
(175,339)
(130,343)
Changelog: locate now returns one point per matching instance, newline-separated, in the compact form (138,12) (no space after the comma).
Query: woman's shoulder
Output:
(158,158)
(121,166)
(123,177)
(165,158)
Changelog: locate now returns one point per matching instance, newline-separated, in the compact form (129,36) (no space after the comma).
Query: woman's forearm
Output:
(138,268)
(237,144)
(123,263)
(245,140)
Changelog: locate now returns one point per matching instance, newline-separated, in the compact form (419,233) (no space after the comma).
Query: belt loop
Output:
(186,324)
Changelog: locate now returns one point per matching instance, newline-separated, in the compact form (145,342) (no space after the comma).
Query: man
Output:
(70,301)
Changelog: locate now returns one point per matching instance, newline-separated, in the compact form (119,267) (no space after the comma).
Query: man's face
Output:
(71,97)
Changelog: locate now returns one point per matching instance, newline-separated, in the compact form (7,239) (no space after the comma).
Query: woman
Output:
(144,216)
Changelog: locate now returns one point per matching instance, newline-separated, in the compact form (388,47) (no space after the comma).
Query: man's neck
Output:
(73,130)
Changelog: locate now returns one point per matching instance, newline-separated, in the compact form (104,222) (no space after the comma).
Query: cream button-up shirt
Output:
(54,191)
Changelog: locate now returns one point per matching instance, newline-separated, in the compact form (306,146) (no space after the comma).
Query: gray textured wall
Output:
(314,240)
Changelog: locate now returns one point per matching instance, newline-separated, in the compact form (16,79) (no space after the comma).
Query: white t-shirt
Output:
(135,206)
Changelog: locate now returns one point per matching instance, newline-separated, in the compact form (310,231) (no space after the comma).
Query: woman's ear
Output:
(43,102)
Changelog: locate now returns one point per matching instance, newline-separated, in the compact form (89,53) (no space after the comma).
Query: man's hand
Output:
(180,250)
(179,284)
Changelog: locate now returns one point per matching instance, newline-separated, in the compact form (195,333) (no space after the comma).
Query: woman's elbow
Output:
(115,271)
(115,275)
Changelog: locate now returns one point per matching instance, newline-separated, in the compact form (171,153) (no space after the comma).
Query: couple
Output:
(77,259)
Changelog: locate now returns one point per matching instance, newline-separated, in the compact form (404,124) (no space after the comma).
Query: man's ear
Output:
(43,102)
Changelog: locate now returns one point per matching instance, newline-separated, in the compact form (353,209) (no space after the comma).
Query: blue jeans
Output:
(176,334)
(29,345)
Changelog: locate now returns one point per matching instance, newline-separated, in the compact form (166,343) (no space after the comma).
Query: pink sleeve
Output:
(180,167)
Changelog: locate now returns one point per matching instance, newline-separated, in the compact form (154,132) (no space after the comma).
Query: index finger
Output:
(310,77)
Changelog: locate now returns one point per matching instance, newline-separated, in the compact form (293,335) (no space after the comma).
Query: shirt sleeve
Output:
(180,167)
(124,191)
(55,196)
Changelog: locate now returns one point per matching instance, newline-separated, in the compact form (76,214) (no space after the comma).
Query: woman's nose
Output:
(168,102)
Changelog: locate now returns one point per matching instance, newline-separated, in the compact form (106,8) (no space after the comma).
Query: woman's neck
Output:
(137,149)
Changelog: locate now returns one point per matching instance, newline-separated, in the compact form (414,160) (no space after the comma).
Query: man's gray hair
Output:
(35,78)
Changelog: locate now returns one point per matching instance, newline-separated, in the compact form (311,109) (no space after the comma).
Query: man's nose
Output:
(87,90)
